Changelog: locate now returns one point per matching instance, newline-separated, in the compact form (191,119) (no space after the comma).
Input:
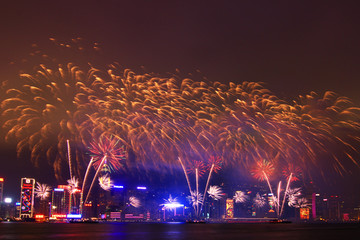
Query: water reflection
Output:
(176,231)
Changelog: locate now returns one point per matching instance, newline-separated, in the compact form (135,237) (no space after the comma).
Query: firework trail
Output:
(215,192)
(186,175)
(42,191)
(84,182)
(102,162)
(215,165)
(69,157)
(292,173)
(240,197)
(73,184)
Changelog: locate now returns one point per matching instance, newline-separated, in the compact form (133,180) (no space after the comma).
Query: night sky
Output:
(294,47)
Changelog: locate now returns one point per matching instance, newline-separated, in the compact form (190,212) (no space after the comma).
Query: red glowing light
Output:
(59,215)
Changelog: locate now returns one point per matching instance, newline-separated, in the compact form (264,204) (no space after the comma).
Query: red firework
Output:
(200,166)
(262,170)
(292,169)
(107,147)
(217,161)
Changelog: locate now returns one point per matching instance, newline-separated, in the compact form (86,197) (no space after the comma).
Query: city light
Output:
(58,189)
(141,188)
(1,179)
(118,186)
(77,216)
(173,205)
(58,216)
(8,200)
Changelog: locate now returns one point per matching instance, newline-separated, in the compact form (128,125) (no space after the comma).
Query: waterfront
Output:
(13,230)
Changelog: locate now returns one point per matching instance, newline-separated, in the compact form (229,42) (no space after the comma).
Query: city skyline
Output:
(314,51)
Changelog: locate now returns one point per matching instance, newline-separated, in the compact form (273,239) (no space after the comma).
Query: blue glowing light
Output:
(141,188)
(58,189)
(173,205)
(118,186)
(73,216)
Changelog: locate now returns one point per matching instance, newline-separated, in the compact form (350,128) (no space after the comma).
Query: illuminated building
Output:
(1,189)
(27,197)
(229,208)
(59,202)
(304,213)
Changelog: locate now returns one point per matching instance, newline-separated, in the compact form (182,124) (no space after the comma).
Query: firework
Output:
(158,117)
(293,196)
(169,203)
(42,191)
(215,192)
(240,197)
(215,163)
(292,172)
(107,147)
(302,203)
(262,170)
(40,114)
(105,182)
(259,201)
(135,202)
(105,153)
(170,200)
(73,184)
(197,167)
(196,199)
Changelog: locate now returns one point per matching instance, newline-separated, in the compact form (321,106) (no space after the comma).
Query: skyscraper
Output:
(1,189)
(27,197)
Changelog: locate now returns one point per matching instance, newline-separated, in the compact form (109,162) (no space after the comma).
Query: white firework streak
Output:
(302,203)
(196,198)
(293,195)
(105,182)
(135,202)
(240,197)
(170,200)
(259,201)
(42,191)
(294,191)
(73,184)
(215,192)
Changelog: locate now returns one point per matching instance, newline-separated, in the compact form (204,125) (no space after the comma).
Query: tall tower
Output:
(27,197)
(1,189)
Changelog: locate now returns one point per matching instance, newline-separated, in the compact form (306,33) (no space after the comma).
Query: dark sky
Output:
(293,46)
